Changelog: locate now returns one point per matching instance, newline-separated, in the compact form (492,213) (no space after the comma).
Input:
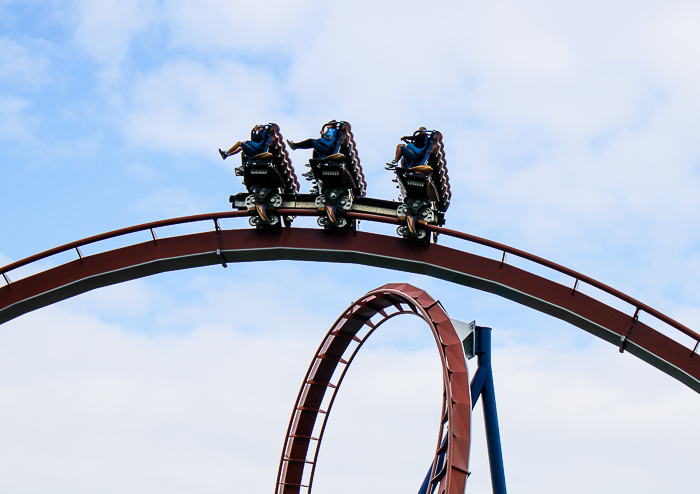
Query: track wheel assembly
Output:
(416,213)
(330,205)
(262,203)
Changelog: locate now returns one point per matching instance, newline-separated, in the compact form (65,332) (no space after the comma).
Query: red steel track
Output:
(333,359)
(228,246)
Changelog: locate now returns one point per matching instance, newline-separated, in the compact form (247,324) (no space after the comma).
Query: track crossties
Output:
(331,362)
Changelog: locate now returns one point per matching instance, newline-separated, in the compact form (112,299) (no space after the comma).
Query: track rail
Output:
(627,332)
(332,361)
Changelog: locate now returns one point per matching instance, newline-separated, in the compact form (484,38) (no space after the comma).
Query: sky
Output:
(570,131)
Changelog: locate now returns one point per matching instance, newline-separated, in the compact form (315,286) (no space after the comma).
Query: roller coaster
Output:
(341,242)
(339,184)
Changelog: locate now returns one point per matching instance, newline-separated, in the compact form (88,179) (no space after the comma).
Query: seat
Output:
(266,156)
(421,168)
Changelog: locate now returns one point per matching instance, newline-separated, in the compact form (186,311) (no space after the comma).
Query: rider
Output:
(325,145)
(259,140)
(414,148)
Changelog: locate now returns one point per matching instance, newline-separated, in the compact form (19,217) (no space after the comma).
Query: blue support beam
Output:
(426,482)
(482,386)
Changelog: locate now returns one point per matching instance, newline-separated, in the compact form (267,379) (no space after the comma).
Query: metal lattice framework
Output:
(330,364)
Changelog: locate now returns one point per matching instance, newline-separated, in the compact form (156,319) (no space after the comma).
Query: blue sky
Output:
(570,131)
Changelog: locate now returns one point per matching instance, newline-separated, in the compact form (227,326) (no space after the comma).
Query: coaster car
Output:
(267,175)
(337,176)
(424,186)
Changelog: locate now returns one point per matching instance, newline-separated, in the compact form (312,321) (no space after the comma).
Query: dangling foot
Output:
(292,144)
(391,165)
(223,155)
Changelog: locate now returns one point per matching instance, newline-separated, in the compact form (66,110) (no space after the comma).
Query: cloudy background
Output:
(571,131)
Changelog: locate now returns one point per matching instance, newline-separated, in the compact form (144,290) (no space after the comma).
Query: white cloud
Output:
(187,107)
(266,27)
(671,43)
(170,203)
(143,173)
(20,67)
(132,300)
(566,413)
(167,408)
(107,29)
(85,403)
(16,124)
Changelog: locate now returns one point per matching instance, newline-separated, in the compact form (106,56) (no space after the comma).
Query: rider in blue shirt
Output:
(324,146)
(414,148)
(259,140)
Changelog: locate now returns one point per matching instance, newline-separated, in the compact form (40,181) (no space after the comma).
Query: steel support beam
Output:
(200,249)
(482,386)
(449,471)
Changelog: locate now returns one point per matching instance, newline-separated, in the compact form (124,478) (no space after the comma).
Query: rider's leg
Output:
(251,148)
(305,144)
(408,151)
(322,147)
(233,150)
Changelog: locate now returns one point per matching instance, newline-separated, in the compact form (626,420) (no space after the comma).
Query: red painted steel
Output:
(367,217)
(119,233)
(208,248)
(328,369)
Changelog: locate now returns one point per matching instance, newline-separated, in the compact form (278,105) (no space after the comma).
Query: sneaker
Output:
(292,144)
(223,155)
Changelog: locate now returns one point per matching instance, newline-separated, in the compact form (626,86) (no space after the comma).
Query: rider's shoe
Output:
(223,155)
(292,144)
